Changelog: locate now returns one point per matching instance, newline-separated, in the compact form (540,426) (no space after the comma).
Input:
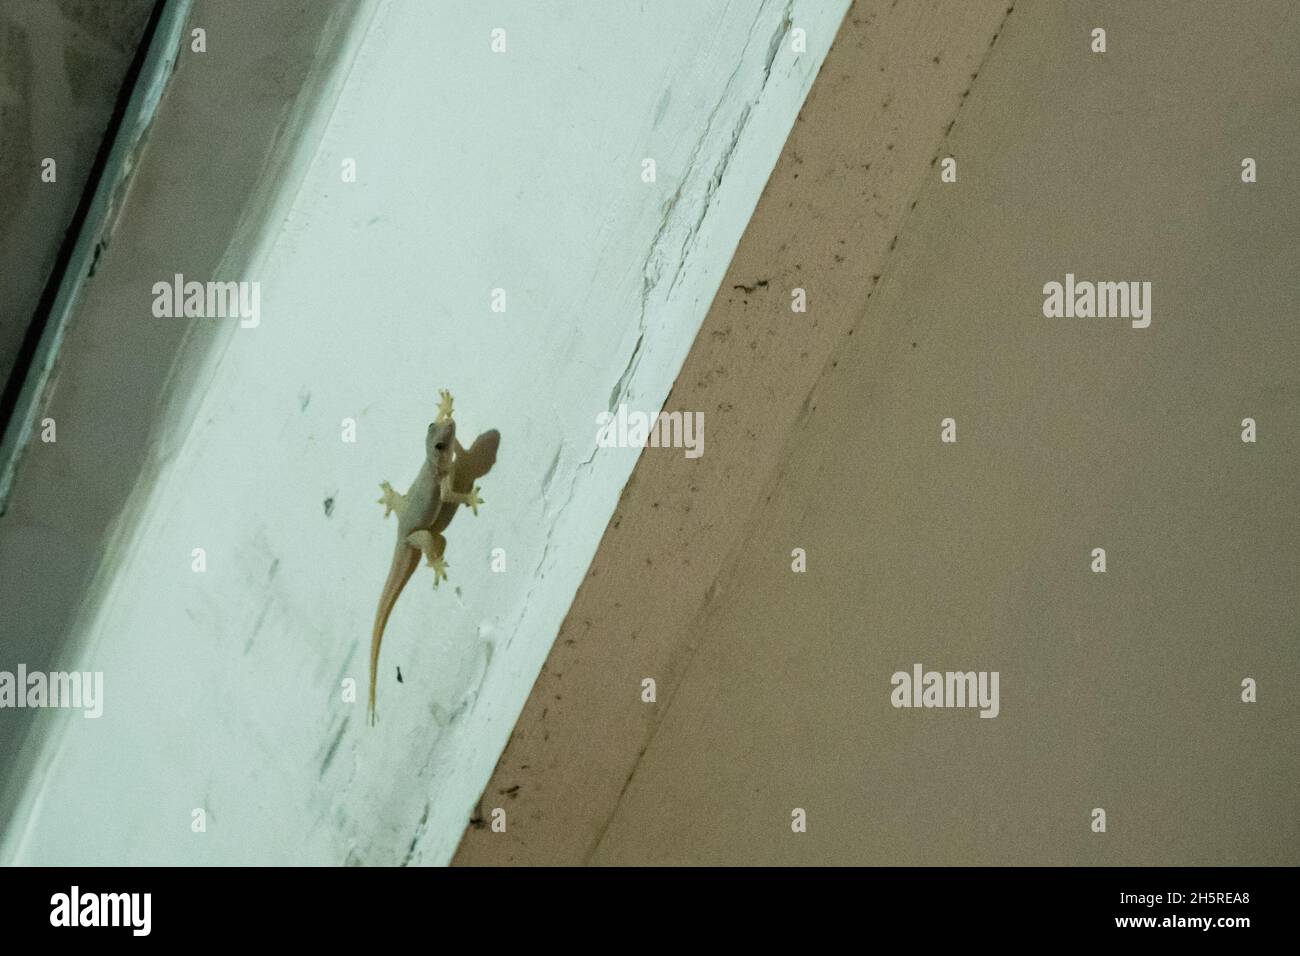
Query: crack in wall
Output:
(652,266)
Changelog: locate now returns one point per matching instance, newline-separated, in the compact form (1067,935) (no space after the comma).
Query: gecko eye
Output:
(440,446)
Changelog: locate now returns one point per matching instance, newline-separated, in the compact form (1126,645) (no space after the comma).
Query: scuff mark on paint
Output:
(261,616)
(415,839)
(550,471)
(94,259)
(333,749)
(662,108)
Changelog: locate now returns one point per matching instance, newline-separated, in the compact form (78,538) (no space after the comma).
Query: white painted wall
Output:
(476,170)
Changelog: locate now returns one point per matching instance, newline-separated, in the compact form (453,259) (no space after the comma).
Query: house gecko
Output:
(446,480)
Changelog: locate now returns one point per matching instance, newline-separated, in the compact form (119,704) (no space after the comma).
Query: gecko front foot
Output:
(444,406)
(391,500)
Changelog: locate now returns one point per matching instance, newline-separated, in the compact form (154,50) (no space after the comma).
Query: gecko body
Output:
(445,481)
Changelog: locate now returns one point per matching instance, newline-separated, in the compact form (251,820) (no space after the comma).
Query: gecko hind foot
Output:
(433,546)
(439,569)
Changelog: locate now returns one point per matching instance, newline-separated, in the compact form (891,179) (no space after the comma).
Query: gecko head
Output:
(440,442)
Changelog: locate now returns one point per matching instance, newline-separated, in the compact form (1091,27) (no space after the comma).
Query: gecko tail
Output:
(405,561)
